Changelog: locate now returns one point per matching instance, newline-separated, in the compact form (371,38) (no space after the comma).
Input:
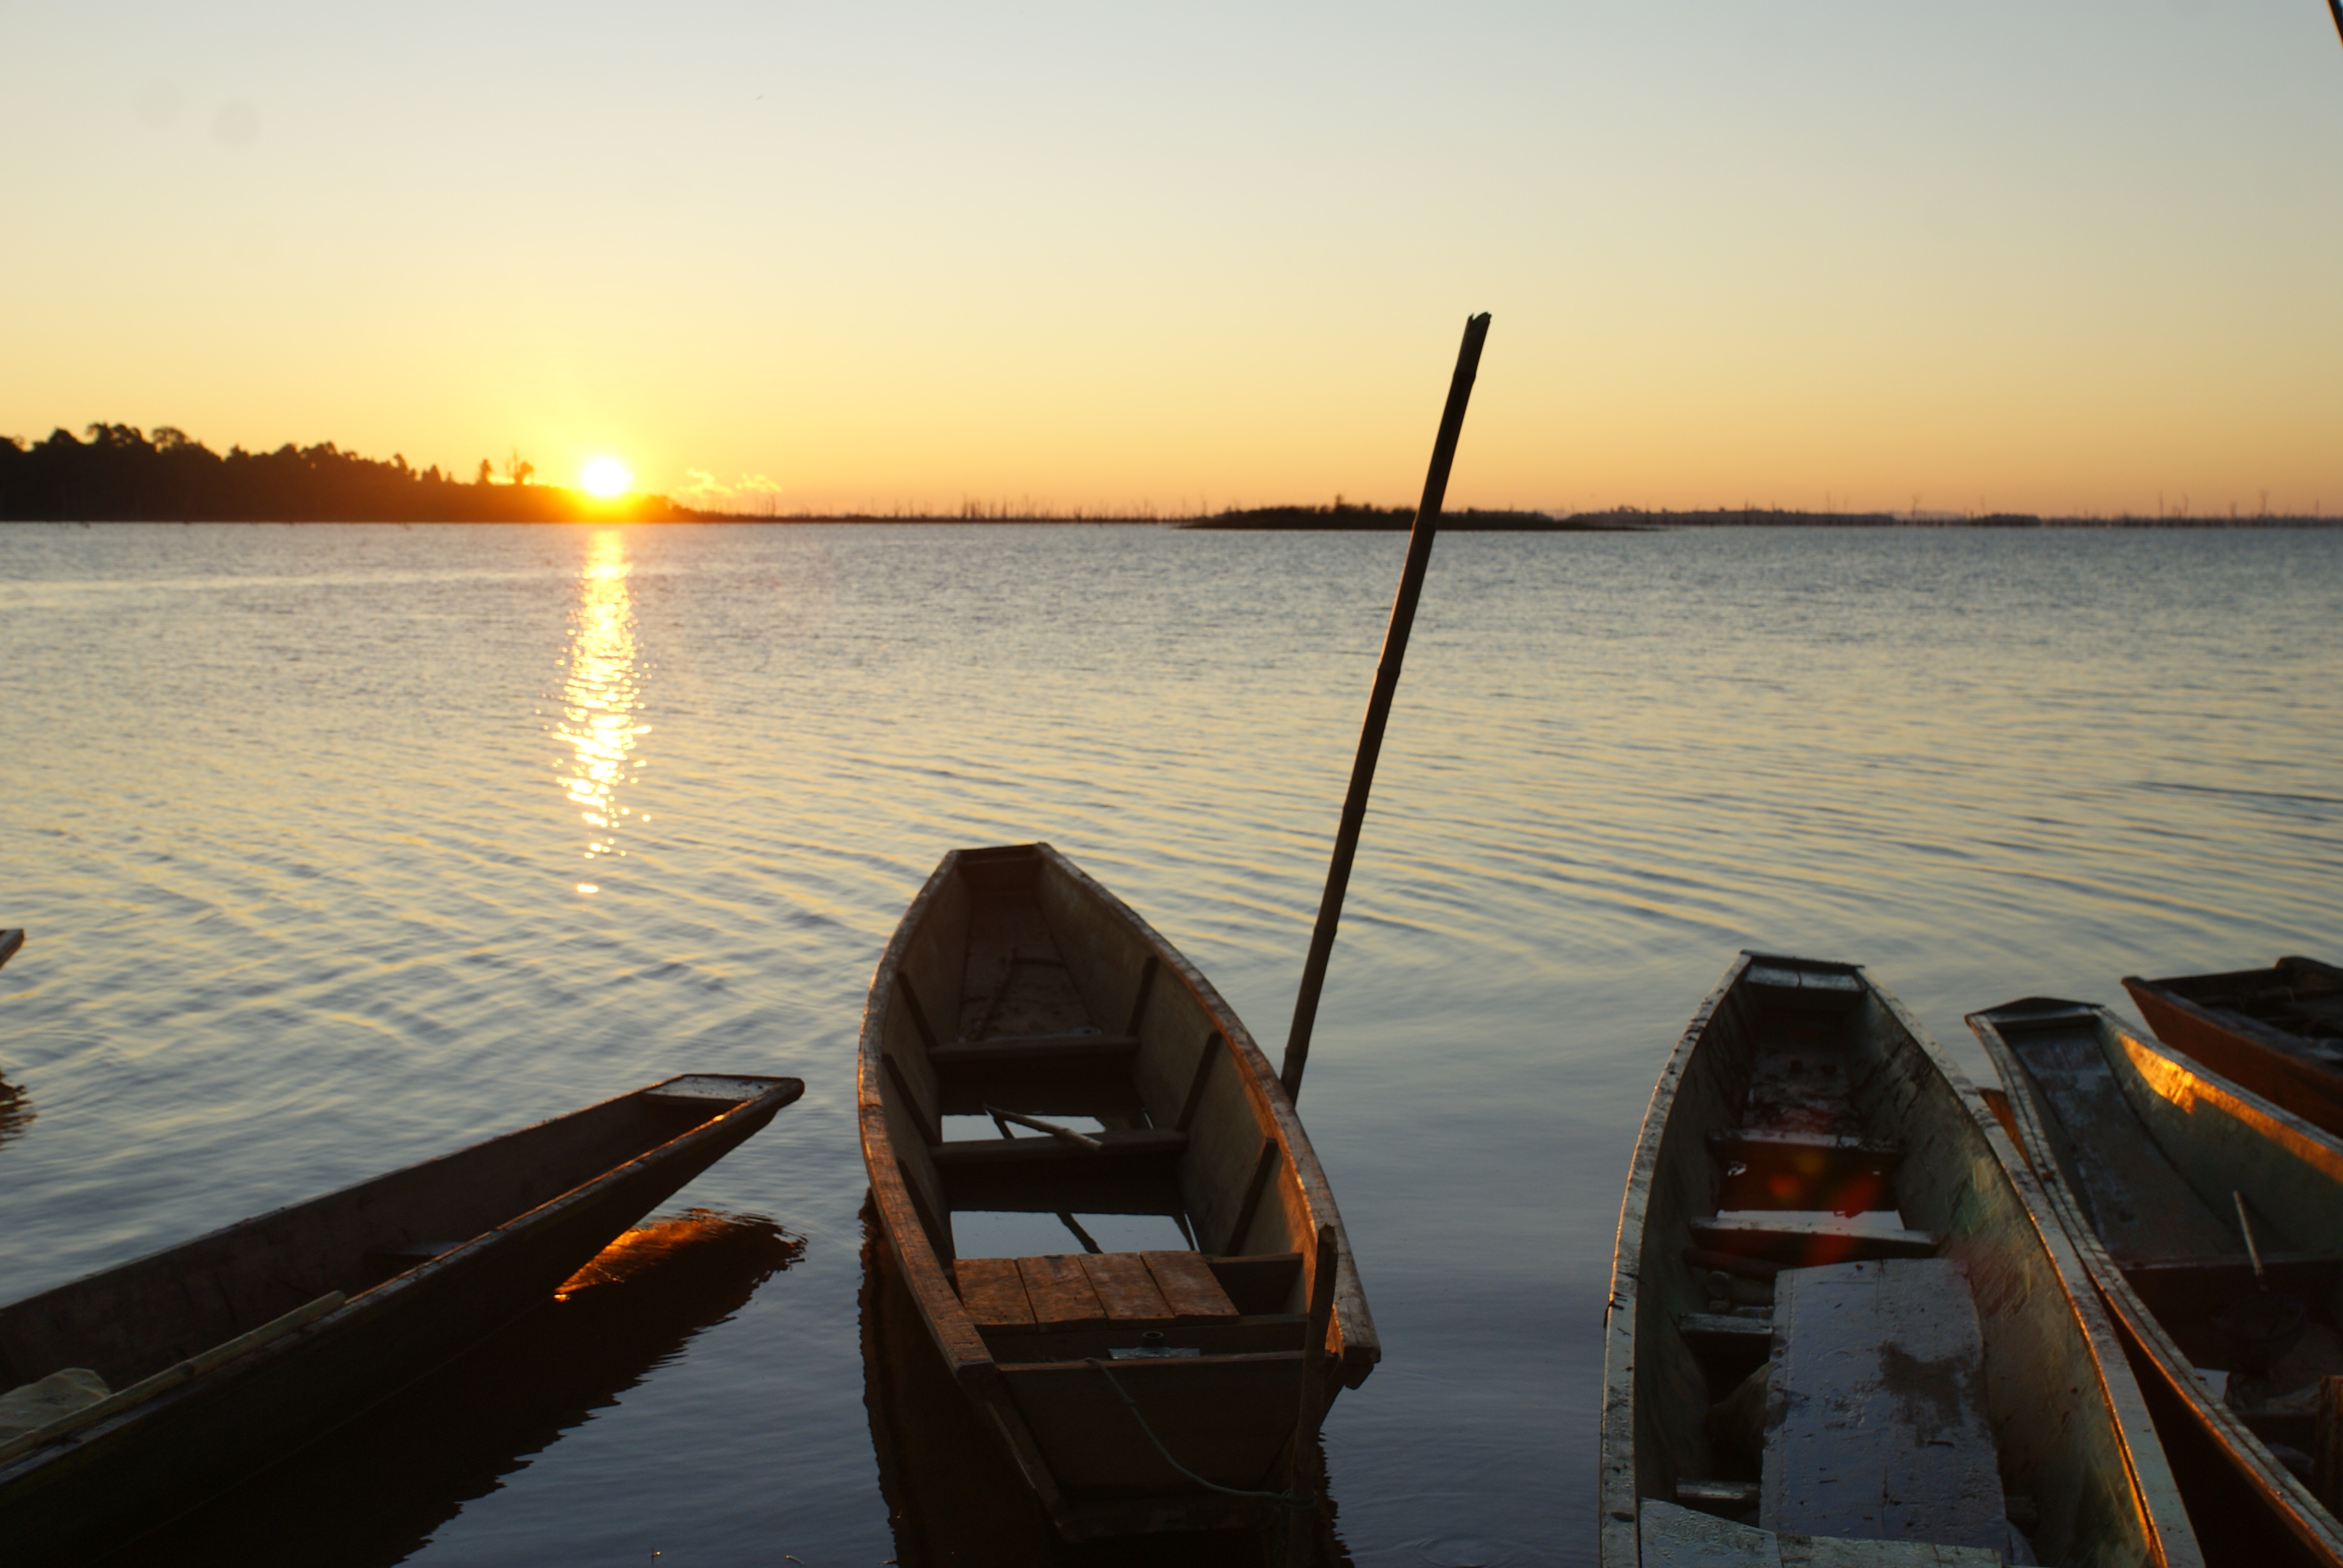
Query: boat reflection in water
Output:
(954,1498)
(16,1110)
(374,1492)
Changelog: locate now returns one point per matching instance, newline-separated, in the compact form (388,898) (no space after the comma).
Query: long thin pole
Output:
(1379,704)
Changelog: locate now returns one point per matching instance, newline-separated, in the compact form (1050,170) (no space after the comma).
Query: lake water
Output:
(301,822)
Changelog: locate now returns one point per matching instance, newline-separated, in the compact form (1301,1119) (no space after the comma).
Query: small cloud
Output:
(749,493)
(236,125)
(158,103)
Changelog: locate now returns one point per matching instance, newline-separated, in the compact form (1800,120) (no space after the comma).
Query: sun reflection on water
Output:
(602,696)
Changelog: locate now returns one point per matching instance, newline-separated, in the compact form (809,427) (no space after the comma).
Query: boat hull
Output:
(112,1482)
(2206,1017)
(2199,1139)
(2082,1447)
(1017,983)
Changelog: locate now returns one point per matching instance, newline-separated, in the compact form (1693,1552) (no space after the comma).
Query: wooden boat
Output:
(2278,1032)
(2149,1161)
(1119,1384)
(1835,1331)
(231,1350)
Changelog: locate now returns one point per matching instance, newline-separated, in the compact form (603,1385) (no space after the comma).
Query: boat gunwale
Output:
(351,1315)
(2293,1502)
(2153,1494)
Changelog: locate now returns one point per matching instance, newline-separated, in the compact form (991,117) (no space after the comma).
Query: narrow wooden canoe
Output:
(2278,1032)
(2143,1155)
(1016,984)
(1834,1316)
(230,1351)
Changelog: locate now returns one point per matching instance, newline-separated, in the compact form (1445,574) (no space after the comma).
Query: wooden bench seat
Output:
(1052,1048)
(1801,1239)
(1118,1142)
(1076,1290)
(1876,1427)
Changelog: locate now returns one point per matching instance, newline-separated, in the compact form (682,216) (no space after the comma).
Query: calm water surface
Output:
(304,822)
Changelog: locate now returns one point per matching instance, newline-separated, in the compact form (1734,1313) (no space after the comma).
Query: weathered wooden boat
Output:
(1126,1387)
(2180,1188)
(231,1350)
(1837,1334)
(2278,1032)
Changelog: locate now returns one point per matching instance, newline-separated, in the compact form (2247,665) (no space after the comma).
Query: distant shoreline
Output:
(120,475)
(546,504)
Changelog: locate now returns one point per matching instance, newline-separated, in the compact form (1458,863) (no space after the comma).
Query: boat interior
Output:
(2174,1171)
(1824,1217)
(2295,996)
(1032,1010)
(136,1319)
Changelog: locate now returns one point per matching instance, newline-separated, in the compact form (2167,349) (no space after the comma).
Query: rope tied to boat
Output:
(1295,1500)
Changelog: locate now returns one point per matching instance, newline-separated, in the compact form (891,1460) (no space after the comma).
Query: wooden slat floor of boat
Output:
(1077,1289)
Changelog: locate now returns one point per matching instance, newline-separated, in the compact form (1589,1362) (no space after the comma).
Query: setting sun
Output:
(606,477)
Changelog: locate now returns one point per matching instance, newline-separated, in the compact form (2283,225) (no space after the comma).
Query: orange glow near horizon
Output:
(2030,283)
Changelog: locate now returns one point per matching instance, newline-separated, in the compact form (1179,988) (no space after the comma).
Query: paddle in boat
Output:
(1134,1392)
(2278,1032)
(1837,1334)
(2211,1221)
(136,1393)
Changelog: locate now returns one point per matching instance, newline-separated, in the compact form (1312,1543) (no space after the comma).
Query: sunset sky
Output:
(2059,258)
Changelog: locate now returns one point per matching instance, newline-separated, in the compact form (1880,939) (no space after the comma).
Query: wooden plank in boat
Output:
(1032,1048)
(1125,1288)
(1878,1427)
(1119,1141)
(1765,1142)
(1726,1331)
(1191,1290)
(1825,1239)
(1059,1290)
(993,1291)
(700,1089)
(1219,1337)
(1677,1537)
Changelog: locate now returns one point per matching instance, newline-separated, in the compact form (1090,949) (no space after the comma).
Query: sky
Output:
(2071,257)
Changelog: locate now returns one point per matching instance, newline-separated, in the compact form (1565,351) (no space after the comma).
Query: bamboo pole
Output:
(1378,703)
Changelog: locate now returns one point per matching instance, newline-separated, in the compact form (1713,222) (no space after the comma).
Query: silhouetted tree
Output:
(117,474)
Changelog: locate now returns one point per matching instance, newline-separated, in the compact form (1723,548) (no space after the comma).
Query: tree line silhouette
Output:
(119,474)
